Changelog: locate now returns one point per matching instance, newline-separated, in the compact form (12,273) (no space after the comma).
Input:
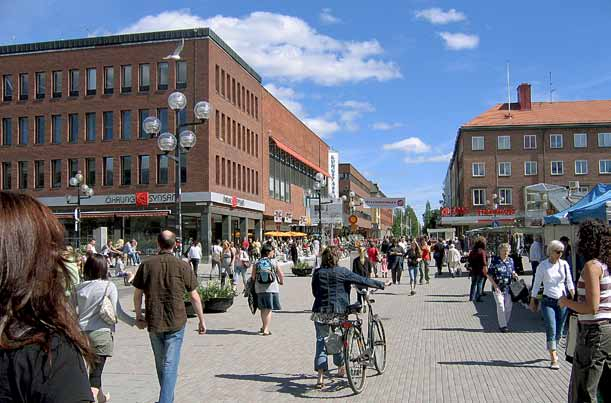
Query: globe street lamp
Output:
(168,142)
(83,191)
(319,183)
(353,201)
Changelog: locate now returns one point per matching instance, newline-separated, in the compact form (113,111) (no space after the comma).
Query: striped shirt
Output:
(604,308)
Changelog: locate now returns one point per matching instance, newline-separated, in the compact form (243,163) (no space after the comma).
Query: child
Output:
(384,268)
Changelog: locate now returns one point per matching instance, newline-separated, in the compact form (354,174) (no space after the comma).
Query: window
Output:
(7,88)
(7,131)
(91,81)
(557,167)
(504,143)
(604,139)
(90,171)
(90,126)
(108,171)
(181,75)
(505,196)
(6,176)
(216,80)
(162,115)
(233,91)
(583,189)
(477,143)
(109,80)
(181,117)
(24,86)
(223,85)
(24,128)
(555,141)
(39,174)
(478,169)
(257,146)
(223,168)
(581,167)
(257,108)
(145,77)
(56,173)
(126,125)
(75,82)
(479,197)
(217,124)
(73,128)
(183,168)
(239,96)
(57,84)
(162,169)
(23,174)
(126,79)
(604,167)
(126,170)
(41,85)
(504,168)
(162,76)
(108,118)
(144,167)
(39,123)
(56,129)
(142,114)
(580,140)
(72,168)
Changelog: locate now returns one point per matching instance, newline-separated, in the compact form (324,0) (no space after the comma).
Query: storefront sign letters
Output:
(463,211)
(384,202)
(153,198)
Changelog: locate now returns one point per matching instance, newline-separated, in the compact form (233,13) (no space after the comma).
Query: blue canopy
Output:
(592,206)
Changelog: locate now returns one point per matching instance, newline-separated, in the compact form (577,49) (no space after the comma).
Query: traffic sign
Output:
(353,219)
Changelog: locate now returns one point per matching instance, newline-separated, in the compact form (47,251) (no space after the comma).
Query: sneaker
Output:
(554,365)
(504,329)
(412,292)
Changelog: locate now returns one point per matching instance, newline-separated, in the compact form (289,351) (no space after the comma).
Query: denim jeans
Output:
(554,318)
(424,270)
(412,274)
(166,348)
(477,282)
(135,258)
(320,358)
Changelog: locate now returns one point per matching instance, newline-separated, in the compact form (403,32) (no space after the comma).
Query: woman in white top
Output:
(555,275)
(241,266)
(454,260)
(195,255)
(89,298)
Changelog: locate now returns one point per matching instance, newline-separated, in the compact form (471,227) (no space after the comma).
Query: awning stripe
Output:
(295,154)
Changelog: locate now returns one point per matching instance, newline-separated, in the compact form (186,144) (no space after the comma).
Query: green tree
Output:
(408,219)
(426,217)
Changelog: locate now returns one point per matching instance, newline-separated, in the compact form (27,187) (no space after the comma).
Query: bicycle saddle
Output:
(354,308)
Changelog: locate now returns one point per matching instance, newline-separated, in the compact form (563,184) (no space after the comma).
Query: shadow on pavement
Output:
(449,295)
(521,321)
(231,331)
(291,312)
(451,301)
(499,363)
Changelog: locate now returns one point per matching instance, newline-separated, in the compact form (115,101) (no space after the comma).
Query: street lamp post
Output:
(167,142)
(319,184)
(352,204)
(83,191)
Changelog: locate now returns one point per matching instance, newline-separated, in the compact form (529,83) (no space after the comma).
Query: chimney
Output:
(524,96)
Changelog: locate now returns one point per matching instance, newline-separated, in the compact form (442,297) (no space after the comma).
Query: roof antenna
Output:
(551,89)
(508,116)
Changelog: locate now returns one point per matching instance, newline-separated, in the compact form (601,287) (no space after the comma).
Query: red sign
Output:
(498,211)
(461,211)
(142,199)
(234,201)
(353,219)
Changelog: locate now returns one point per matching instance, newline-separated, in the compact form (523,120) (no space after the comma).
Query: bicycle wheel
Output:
(355,359)
(379,346)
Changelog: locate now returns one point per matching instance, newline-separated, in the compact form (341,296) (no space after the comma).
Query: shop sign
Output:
(142,199)
(384,202)
(302,221)
(288,217)
(233,201)
(278,216)
(153,198)
(333,174)
(462,211)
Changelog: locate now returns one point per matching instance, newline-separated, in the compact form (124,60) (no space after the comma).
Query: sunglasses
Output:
(560,252)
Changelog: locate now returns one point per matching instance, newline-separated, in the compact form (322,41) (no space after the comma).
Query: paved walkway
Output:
(441,349)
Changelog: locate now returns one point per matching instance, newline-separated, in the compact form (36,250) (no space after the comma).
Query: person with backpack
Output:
(215,257)
(267,277)
(227,258)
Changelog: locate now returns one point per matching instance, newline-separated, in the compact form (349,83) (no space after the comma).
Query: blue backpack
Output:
(265,271)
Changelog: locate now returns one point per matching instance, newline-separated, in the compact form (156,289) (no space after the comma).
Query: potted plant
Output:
(302,269)
(215,298)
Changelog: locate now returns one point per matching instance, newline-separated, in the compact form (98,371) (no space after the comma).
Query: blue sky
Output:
(385,83)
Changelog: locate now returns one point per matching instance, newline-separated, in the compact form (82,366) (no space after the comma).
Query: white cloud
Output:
(428,159)
(385,126)
(284,47)
(350,111)
(459,40)
(288,97)
(409,145)
(437,16)
(326,17)
(321,126)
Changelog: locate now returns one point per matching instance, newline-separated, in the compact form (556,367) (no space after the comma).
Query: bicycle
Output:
(358,352)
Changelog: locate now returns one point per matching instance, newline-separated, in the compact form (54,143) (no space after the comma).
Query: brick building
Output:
(79,104)
(506,149)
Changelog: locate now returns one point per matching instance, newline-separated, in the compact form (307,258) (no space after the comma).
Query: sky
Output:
(385,83)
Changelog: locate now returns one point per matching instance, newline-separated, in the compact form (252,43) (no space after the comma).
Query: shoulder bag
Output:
(107,310)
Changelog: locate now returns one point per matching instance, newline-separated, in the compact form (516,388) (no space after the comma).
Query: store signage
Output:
(333,175)
(278,216)
(462,211)
(331,212)
(153,198)
(384,202)
(142,199)
(288,217)
(233,201)
(302,220)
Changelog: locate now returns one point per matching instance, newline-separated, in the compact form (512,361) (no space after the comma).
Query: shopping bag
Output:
(571,337)
(518,291)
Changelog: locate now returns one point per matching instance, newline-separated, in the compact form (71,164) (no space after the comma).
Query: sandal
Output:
(266,334)
(106,398)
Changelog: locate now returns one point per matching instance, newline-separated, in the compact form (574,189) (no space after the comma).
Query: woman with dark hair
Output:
(592,357)
(479,263)
(90,296)
(41,345)
(267,277)
(331,287)
(414,256)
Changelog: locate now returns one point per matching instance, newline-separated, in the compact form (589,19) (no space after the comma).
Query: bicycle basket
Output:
(334,343)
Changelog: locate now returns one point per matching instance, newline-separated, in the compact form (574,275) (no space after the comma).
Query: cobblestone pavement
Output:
(441,348)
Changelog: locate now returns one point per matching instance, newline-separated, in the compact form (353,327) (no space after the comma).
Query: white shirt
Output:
(195,252)
(536,253)
(216,249)
(554,278)
(403,245)
(316,247)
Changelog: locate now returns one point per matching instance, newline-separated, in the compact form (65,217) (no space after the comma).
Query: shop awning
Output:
(111,214)
(296,155)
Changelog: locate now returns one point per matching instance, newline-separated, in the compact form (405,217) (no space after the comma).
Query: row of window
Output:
(51,174)
(236,134)
(70,132)
(284,171)
(235,92)
(236,176)
(556,141)
(505,197)
(91,81)
(478,169)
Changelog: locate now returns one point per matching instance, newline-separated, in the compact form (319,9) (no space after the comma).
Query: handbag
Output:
(334,343)
(107,310)
(571,337)
(518,291)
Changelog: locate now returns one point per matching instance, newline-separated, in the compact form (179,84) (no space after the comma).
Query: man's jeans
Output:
(554,318)
(477,282)
(424,267)
(591,365)
(135,258)
(320,358)
(166,348)
(503,307)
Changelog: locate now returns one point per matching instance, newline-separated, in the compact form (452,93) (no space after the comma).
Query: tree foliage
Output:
(405,222)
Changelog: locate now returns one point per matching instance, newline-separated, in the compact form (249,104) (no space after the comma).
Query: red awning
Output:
(111,214)
(295,154)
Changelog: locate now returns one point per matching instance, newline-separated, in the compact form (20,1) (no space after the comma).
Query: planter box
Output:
(215,305)
(302,272)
